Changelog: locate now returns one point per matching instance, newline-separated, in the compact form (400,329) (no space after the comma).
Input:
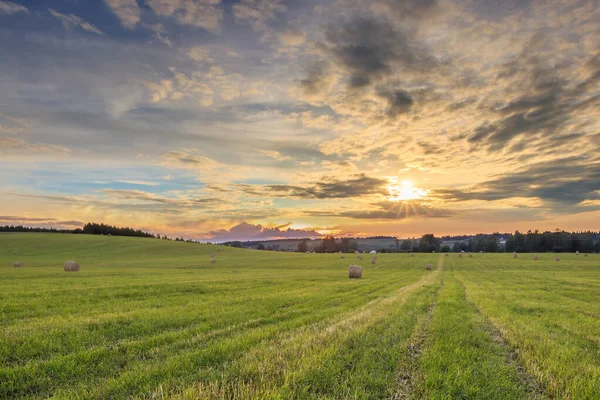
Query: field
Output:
(148,318)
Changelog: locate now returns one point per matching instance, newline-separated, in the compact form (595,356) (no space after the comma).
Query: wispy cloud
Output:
(71,21)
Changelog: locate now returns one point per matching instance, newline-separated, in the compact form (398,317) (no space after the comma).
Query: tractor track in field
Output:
(534,388)
(408,375)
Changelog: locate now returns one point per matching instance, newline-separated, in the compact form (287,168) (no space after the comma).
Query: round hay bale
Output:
(515,255)
(360,257)
(428,267)
(212,254)
(307,252)
(355,272)
(535,258)
(470,255)
(412,255)
(218,249)
(373,261)
(557,258)
(577,253)
(213,260)
(585,255)
(460,255)
(342,256)
(17,265)
(71,266)
(446,255)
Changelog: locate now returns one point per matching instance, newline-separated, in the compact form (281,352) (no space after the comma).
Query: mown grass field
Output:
(148,318)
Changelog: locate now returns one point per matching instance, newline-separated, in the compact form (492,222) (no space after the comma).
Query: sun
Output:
(405,190)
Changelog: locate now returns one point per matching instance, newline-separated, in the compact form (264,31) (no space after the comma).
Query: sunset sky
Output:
(219,119)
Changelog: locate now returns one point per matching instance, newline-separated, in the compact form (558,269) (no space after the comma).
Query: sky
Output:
(256,119)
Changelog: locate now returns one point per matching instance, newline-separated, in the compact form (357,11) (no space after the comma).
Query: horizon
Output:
(220,119)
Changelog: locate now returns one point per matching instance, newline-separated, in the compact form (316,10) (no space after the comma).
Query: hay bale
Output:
(577,253)
(218,249)
(585,255)
(460,255)
(71,266)
(373,261)
(355,272)
(17,265)
(470,255)
(515,255)
(535,258)
(360,257)
(557,258)
(412,255)
(446,254)
(212,254)
(428,267)
(15,252)
(342,256)
(213,260)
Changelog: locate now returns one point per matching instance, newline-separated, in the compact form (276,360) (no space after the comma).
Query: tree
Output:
(260,246)
(429,243)
(406,245)
(302,246)
(328,245)
(346,245)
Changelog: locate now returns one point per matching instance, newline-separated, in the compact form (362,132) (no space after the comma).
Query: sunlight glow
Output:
(405,190)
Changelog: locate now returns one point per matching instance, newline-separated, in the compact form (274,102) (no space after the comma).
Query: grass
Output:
(148,318)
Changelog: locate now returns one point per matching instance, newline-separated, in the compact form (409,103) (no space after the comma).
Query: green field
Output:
(153,319)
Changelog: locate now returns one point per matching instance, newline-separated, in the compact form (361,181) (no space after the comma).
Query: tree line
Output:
(557,241)
(91,228)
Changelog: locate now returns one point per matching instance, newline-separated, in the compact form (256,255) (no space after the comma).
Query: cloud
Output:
(40,222)
(71,21)
(246,231)
(187,159)
(275,155)
(390,210)
(559,183)
(204,14)
(257,12)
(398,101)
(10,146)
(199,54)
(127,11)
(371,48)
(328,188)
(6,7)
(292,38)
(318,79)
(184,202)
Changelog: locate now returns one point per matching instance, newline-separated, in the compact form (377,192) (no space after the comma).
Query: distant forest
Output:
(531,242)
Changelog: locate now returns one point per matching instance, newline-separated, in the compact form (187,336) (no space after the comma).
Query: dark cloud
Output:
(562,182)
(138,195)
(398,101)
(328,188)
(550,98)
(317,79)
(430,148)
(370,48)
(408,9)
(390,210)
(246,231)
